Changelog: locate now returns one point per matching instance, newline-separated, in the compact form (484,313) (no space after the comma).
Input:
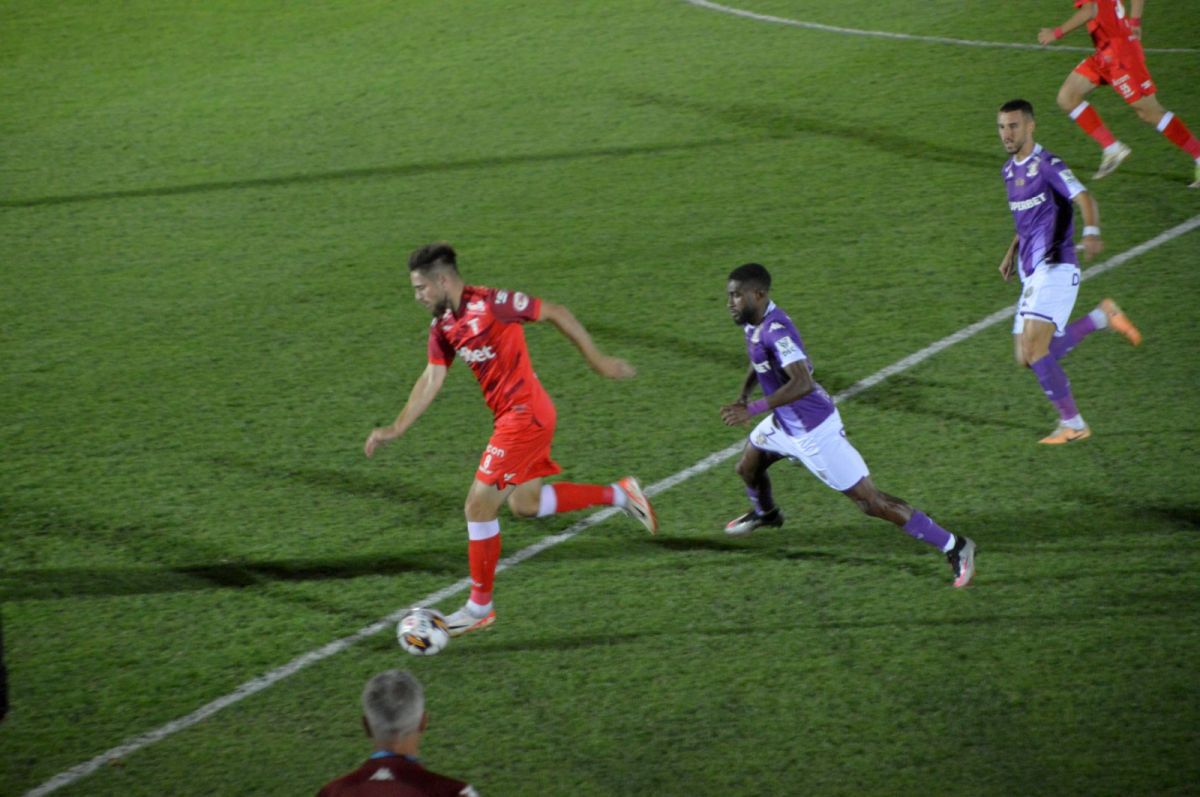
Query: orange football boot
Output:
(1065,434)
(1119,322)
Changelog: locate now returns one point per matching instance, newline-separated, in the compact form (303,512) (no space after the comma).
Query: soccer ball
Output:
(423,632)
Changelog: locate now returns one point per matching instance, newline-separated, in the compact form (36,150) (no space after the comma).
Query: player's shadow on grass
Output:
(773,545)
(401,492)
(908,394)
(74,582)
(376,172)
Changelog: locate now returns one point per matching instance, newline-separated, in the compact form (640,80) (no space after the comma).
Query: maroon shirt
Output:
(396,776)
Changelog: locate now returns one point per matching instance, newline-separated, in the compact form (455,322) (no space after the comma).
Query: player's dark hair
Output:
(752,275)
(1024,106)
(433,255)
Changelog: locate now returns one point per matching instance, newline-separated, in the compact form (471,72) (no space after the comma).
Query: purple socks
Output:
(762,500)
(921,527)
(1055,384)
(1061,345)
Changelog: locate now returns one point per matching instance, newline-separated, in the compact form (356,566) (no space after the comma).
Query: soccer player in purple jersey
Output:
(1040,191)
(802,424)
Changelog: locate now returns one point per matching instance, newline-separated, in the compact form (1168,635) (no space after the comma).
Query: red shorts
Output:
(520,448)
(1124,69)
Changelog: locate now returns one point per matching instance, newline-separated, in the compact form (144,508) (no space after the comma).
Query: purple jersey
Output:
(1040,190)
(772,345)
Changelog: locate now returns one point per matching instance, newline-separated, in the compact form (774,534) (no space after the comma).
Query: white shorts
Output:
(825,450)
(1048,294)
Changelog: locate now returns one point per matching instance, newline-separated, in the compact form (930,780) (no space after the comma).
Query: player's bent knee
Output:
(523,508)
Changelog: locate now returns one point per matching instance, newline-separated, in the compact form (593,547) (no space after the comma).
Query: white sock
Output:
(1099,318)
(1113,147)
(547,501)
(949,546)
(619,497)
(475,610)
(1075,423)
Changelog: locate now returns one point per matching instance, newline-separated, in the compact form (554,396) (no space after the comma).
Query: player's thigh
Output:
(830,456)
(484,500)
(526,498)
(1081,82)
(1018,352)
(1035,340)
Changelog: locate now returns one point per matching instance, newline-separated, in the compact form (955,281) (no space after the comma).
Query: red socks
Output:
(484,552)
(1175,130)
(1086,117)
(572,497)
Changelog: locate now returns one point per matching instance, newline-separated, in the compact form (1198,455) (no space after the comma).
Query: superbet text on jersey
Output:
(485,332)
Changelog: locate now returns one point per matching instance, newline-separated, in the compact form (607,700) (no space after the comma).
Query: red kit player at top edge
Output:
(1120,62)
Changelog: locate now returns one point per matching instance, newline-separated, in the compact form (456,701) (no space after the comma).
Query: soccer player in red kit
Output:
(483,327)
(1120,62)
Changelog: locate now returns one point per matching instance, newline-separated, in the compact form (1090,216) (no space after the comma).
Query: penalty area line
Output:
(912,37)
(273,677)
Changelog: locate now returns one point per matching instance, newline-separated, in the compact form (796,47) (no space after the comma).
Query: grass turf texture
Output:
(203,217)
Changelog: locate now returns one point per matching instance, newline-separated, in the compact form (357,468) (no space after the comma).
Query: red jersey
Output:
(395,776)
(1110,27)
(485,332)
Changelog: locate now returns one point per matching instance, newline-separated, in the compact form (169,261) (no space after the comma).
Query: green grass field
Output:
(204,215)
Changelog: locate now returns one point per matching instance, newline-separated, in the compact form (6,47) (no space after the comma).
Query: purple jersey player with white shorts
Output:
(1041,190)
(802,424)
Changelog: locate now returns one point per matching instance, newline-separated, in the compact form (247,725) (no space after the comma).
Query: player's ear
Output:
(366,726)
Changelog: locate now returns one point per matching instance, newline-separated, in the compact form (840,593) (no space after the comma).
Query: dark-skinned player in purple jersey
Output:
(802,424)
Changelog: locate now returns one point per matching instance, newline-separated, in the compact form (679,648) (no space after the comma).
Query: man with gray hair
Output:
(394,717)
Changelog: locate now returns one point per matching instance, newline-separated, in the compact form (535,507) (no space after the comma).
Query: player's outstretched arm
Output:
(566,323)
(1092,243)
(419,399)
(1008,266)
(1078,19)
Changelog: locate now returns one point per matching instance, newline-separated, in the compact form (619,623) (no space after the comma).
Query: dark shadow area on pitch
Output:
(400,171)
(348,482)
(1185,516)
(778,122)
(762,548)
(74,582)
(914,396)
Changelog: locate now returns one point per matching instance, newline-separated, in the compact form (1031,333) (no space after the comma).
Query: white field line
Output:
(883,34)
(273,677)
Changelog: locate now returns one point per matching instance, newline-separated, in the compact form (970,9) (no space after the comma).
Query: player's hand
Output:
(1008,266)
(1046,36)
(1092,246)
(377,438)
(614,368)
(735,414)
